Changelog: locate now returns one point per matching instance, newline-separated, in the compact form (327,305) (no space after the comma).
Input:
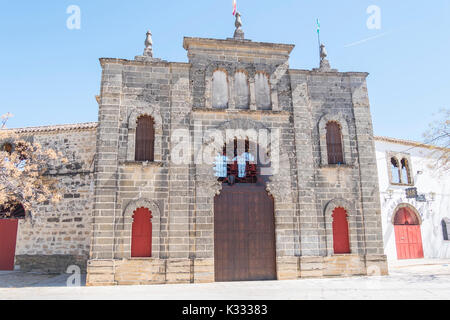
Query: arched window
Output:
(395,171)
(341,240)
(334,143)
(220,90)
(262,91)
(446,229)
(145,139)
(406,178)
(141,234)
(242,91)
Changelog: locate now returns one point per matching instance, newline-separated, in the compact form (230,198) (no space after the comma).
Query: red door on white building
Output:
(408,235)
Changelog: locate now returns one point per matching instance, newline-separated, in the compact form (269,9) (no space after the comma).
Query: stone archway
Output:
(277,185)
(123,230)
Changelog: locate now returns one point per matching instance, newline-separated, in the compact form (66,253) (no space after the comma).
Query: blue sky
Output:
(50,74)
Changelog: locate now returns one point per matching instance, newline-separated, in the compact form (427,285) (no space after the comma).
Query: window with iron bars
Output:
(237,168)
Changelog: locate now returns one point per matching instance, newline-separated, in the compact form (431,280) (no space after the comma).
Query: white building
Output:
(415,200)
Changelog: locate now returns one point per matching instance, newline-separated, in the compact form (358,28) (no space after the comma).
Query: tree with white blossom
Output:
(24,168)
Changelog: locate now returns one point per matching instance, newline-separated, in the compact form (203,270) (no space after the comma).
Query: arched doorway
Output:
(341,239)
(141,234)
(9,221)
(408,236)
(244,221)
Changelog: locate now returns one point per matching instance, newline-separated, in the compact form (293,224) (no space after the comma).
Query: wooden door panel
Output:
(244,234)
(141,238)
(415,242)
(341,238)
(408,242)
(8,237)
(401,236)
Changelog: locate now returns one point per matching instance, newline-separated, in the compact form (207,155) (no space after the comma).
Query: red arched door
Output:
(408,236)
(341,240)
(141,237)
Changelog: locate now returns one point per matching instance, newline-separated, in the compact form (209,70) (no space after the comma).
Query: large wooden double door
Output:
(244,234)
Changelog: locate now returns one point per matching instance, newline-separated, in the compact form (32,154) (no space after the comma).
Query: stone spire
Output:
(324,63)
(148,52)
(239,33)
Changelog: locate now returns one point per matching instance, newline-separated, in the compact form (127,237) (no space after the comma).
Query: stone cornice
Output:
(155,63)
(238,112)
(232,44)
(329,73)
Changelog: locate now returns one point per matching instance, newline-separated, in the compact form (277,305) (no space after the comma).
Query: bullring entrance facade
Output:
(316,214)
(179,188)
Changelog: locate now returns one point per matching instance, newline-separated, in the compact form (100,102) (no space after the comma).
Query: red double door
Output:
(408,236)
(8,235)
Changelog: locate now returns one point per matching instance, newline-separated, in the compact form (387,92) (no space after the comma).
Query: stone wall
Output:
(181,194)
(56,235)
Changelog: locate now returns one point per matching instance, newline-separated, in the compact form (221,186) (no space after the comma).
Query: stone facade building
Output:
(154,210)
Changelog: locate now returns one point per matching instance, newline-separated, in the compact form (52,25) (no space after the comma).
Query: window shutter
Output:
(334,144)
(446,229)
(145,139)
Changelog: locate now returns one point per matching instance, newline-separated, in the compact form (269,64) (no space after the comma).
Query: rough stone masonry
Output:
(93,223)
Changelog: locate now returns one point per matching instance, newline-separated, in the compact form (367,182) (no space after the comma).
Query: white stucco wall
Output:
(431,212)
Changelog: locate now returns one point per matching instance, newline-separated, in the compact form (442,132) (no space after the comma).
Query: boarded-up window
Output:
(145,139)
(395,171)
(446,229)
(334,143)
(262,90)
(220,90)
(242,91)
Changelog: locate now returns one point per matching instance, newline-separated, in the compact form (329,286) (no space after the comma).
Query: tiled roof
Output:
(408,143)
(55,128)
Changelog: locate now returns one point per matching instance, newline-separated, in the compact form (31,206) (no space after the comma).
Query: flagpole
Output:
(318,32)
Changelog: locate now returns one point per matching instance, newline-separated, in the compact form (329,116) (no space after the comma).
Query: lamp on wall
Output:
(389,193)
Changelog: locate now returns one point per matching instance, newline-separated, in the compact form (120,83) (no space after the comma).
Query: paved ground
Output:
(411,280)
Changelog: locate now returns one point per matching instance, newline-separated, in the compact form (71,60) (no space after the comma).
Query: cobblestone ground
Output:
(414,280)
